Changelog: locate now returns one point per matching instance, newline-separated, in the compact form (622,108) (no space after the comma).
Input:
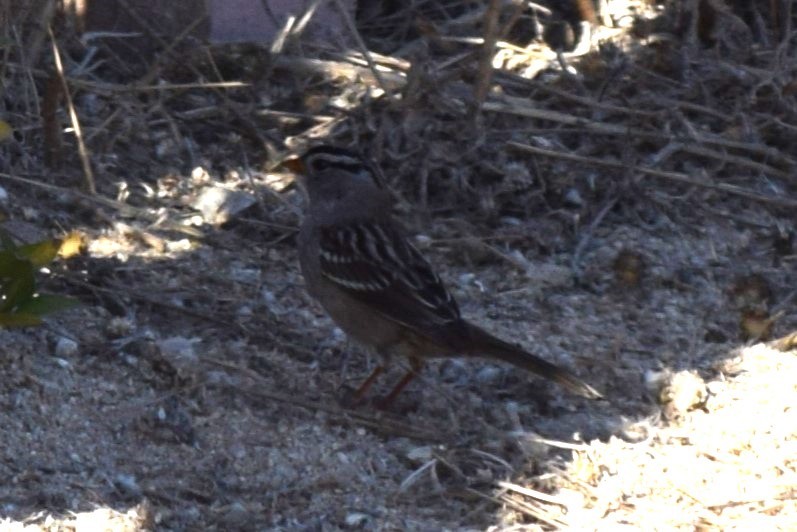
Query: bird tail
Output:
(484,344)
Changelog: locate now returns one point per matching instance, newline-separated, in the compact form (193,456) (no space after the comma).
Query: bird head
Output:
(334,169)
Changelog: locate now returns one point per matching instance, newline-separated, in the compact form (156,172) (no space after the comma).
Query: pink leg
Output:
(416,366)
(367,383)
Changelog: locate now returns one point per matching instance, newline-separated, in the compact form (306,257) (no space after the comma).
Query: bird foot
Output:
(350,397)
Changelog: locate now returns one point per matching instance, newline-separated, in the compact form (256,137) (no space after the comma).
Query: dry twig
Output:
(85,160)
(485,75)
(670,176)
(352,27)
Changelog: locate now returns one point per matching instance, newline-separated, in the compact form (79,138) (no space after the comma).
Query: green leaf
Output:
(18,306)
(40,253)
(9,263)
(13,266)
(6,241)
(17,283)
(17,319)
(45,304)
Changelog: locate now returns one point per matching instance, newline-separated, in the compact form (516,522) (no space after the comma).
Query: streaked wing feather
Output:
(376,264)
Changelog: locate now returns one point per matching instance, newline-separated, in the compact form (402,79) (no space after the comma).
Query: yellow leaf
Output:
(22,319)
(70,245)
(5,130)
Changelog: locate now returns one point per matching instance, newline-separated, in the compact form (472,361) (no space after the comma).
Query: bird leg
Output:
(415,367)
(366,385)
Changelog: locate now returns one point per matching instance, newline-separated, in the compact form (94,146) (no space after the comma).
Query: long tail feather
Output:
(484,344)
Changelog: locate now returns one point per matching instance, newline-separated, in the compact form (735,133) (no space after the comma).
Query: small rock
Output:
(119,327)
(30,214)
(654,380)
(420,455)
(423,241)
(356,519)
(573,198)
(239,272)
(178,245)
(466,278)
(127,485)
(629,268)
(180,353)
(199,175)
(128,359)
(454,371)
(489,375)
(219,205)
(65,347)
(681,392)
(236,517)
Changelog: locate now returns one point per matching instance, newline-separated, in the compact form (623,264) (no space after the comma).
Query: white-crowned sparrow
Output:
(377,286)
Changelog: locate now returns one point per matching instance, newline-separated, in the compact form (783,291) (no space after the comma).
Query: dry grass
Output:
(728,464)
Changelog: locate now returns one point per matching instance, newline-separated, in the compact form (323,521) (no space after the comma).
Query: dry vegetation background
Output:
(624,205)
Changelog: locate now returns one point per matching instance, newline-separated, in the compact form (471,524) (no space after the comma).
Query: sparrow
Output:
(358,263)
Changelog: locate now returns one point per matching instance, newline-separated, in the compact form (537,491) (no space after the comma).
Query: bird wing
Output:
(376,264)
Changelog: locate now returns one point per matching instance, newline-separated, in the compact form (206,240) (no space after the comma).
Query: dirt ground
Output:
(630,216)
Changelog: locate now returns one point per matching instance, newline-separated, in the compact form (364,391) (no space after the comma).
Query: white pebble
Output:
(65,347)
(356,519)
